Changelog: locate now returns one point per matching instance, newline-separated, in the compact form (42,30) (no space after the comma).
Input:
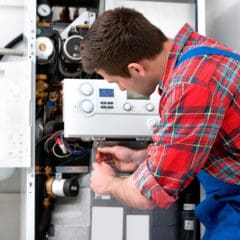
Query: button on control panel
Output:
(127,106)
(106,105)
(150,107)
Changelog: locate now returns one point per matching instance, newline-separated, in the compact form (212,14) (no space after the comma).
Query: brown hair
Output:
(117,38)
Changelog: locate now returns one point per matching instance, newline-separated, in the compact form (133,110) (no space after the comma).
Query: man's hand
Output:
(101,177)
(122,158)
(105,182)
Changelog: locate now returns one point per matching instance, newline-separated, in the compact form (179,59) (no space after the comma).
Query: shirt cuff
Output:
(150,188)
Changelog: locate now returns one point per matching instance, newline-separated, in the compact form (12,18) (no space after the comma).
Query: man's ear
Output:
(136,69)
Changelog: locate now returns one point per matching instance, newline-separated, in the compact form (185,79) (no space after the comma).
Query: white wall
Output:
(11,23)
(223,22)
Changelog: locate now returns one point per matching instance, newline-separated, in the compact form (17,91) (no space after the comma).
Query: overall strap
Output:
(206,50)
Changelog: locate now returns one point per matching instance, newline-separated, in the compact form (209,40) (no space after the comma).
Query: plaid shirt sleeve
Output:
(190,120)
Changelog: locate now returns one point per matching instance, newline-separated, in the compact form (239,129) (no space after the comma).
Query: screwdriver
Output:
(99,157)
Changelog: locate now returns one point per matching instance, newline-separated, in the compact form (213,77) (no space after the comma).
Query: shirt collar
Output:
(179,42)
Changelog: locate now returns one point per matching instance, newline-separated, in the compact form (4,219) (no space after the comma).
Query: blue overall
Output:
(220,211)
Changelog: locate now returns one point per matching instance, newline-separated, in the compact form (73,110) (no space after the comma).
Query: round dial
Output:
(87,106)
(127,106)
(149,107)
(87,89)
(44,10)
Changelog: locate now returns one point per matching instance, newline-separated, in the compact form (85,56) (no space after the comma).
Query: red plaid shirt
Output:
(200,122)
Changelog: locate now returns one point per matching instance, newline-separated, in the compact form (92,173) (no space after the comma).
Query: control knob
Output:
(149,107)
(127,107)
(87,89)
(87,106)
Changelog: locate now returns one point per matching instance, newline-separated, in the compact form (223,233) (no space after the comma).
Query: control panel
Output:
(94,108)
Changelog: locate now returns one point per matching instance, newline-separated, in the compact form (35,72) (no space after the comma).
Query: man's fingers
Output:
(109,150)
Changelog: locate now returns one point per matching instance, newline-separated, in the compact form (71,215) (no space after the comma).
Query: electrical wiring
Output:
(61,149)
(58,155)
(76,158)
(46,144)
(68,151)
(72,148)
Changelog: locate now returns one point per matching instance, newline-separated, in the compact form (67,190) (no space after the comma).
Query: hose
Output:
(13,42)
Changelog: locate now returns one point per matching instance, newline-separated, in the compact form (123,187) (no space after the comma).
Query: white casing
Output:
(96,108)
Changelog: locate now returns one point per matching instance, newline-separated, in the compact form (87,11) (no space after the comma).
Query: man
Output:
(200,118)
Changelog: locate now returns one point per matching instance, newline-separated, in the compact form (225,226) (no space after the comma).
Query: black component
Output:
(39,192)
(189,221)
(39,195)
(44,223)
(46,31)
(70,70)
(52,126)
(189,198)
(71,188)
(71,49)
(69,64)
(76,3)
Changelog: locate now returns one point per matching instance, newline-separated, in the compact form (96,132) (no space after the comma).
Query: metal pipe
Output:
(13,52)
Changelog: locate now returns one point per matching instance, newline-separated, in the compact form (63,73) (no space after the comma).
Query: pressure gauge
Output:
(44,10)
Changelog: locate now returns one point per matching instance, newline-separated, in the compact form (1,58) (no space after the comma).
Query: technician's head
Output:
(118,38)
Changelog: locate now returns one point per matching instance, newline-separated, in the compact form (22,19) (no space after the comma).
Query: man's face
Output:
(137,85)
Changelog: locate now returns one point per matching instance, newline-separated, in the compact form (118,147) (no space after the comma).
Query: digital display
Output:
(106,92)
(132,95)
